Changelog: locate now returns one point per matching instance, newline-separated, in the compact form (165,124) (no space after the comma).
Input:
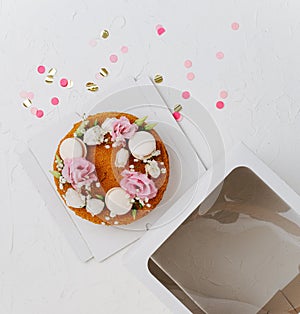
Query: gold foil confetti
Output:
(27,103)
(50,76)
(92,87)
(70,84)
(103,72)
(158,78)
(104,33)
(177,108)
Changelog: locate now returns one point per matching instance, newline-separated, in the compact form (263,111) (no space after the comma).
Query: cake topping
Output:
(94,206)
(153,169)
(74,199)
(72,148)
(79,172)
(121,158)
(138,185)
(117,201)
(122,129)
(142,145)
(94,135)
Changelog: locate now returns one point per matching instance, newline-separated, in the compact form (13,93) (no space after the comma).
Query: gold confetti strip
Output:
(104,33)
(158,78)
(50,77)
(177,108)
(92,87)
(27,103)
(103,72)
(70,84)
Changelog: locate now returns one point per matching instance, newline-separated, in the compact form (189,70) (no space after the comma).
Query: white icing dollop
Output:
(74,199)
(117,201)
(94,206)
(142,145)
(94,135)
(72,147)
(153,169)
(121,158)
(107,124)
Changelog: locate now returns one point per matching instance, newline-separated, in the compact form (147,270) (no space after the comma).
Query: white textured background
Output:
(261,72)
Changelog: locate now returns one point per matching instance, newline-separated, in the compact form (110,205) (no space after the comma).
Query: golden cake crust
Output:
(109,176)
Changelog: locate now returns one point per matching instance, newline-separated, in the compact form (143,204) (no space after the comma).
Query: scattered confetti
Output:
(39,113)
(220,55)
(33,110)
(70,84)
(235,26)
(160,29)
(54,101)
(177,115)
(27,95)
(223,94)
(113,58)
(50,76)
(41,69)
(93,42)
(124,49)
(92,87)
(190,76)
(186,95)
(103,72)
(178,108)
(158,78)
(63,82)
(104,33)
(220,104)
(188,63)
(27,103)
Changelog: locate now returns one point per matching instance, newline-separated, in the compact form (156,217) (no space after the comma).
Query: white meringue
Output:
(72,147)
(74,199)
(153,169)
(94,135)
(94,206)
(142,145)
(117,201)
(107,124)
(121,158)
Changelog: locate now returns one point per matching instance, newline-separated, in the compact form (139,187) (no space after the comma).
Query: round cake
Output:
(111,168)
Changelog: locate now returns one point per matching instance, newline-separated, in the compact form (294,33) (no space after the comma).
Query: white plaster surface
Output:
(39,273)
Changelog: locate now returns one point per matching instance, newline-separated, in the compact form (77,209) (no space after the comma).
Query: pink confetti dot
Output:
(30,95)
(63,82)
(124,49)
(54,101)
(158,26)
(186,95)
(177,116)
(33,110)
(39,113)
(160,30)
(93,42)
(41,69)
(23,94)
(220,55)
(235,26)
(190,76)
(188,63)
(113,58)
(223,94)
(220,104)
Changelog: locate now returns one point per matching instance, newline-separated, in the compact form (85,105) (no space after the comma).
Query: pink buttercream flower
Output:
(138,184)
(79,172)
(122,129)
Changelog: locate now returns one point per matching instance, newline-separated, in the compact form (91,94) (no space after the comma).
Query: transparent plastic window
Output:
(241,256)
